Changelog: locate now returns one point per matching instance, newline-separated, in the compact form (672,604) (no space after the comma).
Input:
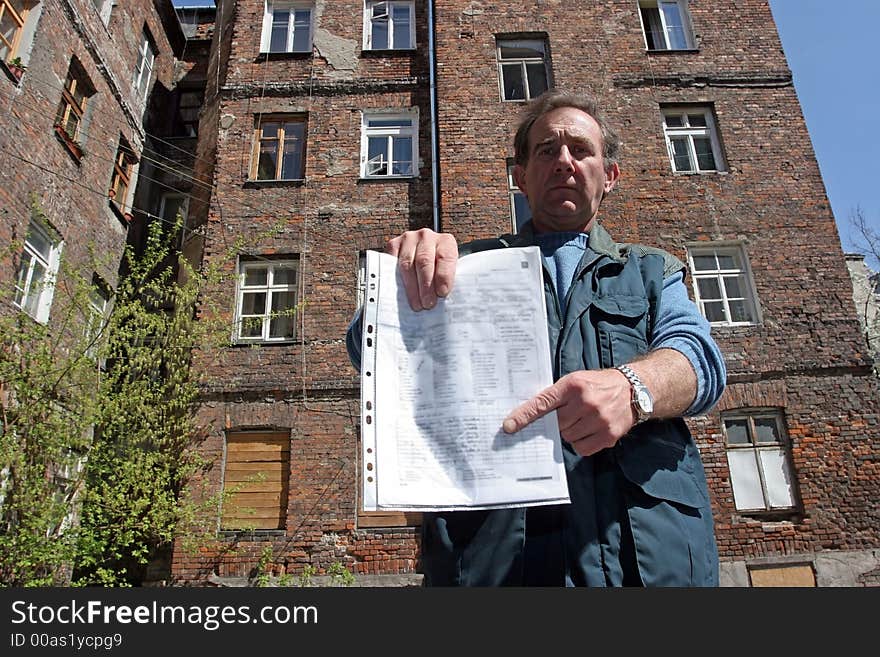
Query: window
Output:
(722,285)
(67,476)
(171,204)
(74,100)
(123,165)
(256,479)
(389,25)
(522,68)
(287,27)
(35,283)
(787,576)
(143,69)
(104,7)
(389,145)
(13,14)
(186,119)
(266,301)
(96,315)
(757,455)
(692,139)
(520,212)
(667,24)
(279,148)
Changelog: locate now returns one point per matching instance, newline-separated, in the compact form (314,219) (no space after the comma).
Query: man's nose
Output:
(564,160)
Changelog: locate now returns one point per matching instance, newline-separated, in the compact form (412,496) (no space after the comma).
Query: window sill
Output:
(281,56)
(775,518)
(14,73)
(249,534)
(264,343)
(701,173)
(672,51)
(381,179)
(73,148)
(257,184)
(125,218)
(388,52)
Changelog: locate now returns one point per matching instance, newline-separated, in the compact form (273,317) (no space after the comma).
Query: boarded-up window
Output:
(256,478)
(794,575)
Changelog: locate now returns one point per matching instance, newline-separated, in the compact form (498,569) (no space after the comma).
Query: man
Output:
(632,356)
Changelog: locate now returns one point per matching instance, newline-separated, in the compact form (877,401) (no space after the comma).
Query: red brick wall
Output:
(807,355)
(74,195)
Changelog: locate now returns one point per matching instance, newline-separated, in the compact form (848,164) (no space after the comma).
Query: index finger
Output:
(538,406)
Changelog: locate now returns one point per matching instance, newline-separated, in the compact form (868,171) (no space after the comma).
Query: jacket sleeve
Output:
(353,339)
(680,326)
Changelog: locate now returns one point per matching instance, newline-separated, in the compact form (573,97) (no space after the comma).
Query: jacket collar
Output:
(599,244)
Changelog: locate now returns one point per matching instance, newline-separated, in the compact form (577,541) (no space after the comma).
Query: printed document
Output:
(437,384)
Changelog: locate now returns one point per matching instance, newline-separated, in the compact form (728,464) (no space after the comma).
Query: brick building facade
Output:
(329,127)
(77,79)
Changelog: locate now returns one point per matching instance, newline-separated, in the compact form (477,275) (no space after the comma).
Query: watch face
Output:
(643,398)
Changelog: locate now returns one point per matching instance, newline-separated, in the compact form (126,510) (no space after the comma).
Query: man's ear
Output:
(519,177)
(612,174)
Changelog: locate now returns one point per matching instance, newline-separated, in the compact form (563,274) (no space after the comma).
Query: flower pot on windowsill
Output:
(74,148)
(15,68)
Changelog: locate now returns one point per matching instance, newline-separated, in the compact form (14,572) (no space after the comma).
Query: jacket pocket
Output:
(662,459)
(621,325)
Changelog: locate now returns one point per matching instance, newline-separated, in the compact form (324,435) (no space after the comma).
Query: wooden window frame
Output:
(19,19)
(76,83)
(120,181)
(280,141)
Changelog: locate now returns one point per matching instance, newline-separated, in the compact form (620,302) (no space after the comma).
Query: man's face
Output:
(565,177)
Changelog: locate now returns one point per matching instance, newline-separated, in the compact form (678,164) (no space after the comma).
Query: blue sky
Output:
(832,51)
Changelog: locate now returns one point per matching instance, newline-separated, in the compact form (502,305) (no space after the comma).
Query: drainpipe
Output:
(435,148)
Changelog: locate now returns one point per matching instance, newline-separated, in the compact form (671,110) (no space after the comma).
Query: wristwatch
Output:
(642,401)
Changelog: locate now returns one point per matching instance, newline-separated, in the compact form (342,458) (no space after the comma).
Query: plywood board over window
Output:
(257,480)
(793,575)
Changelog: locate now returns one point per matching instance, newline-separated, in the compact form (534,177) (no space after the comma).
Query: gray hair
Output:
(556,99)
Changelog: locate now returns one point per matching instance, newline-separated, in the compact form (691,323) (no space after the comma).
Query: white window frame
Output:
(741,270)
(104,7)
(661,19)
(99,301)
(524,63)
(35,296)
(411,131)
(143,68)
(373,10)
(769,469)
(270,288)
(293,6)
(688,133)
(514,193)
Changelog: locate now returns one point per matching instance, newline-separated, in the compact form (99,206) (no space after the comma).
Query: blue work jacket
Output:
(640,510)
